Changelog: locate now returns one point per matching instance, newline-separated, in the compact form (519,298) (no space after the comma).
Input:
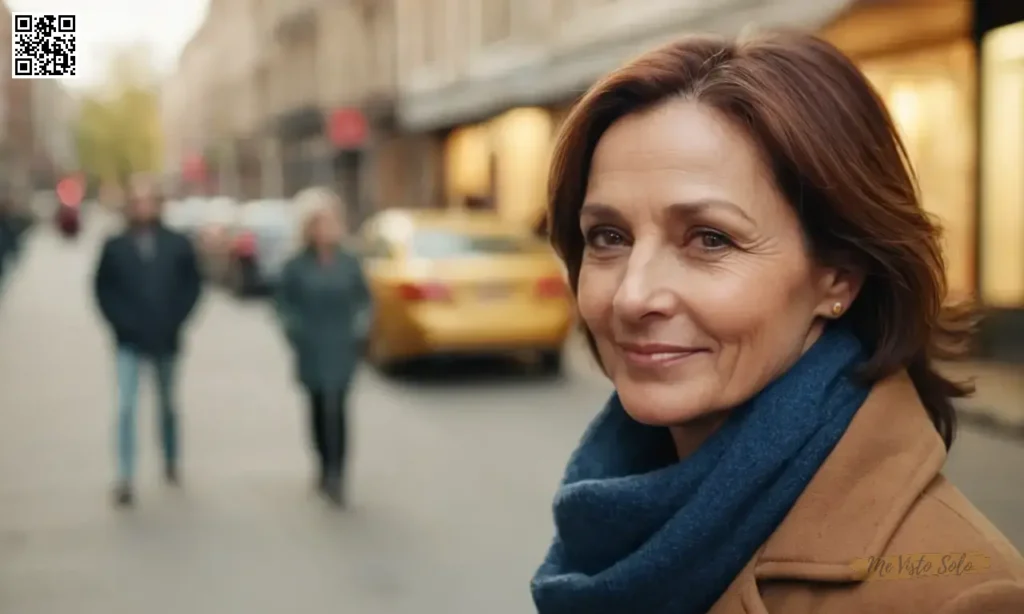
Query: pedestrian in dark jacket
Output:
(9,238)
(5,247)
(324,306)
(147,283)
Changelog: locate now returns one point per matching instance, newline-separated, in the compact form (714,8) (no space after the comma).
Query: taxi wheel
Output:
(551,362)
(233,279)
(237,281)
(387,369)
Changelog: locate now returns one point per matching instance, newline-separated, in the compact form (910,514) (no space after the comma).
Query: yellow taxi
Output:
(449,283)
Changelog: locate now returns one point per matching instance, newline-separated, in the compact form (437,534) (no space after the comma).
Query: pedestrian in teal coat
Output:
(324,305)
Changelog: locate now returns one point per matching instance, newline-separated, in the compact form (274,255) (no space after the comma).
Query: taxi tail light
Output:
(425,292)
(244,245)
(551,287)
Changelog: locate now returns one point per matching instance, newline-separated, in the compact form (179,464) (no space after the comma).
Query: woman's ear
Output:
(839,288)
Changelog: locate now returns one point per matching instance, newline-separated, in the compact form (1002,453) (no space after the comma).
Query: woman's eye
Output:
(713,241)
(605,237)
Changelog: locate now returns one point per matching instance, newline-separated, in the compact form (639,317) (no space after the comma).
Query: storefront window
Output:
(467,164)
(503,163)
(522,139)
(1002,179)
(929,95)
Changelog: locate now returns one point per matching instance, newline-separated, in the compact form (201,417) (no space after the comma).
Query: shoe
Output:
(171,475)
(123,495)
(333,491)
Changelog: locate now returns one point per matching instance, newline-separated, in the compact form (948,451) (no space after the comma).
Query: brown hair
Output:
(836,156)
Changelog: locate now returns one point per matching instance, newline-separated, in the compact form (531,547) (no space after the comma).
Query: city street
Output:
(450,492)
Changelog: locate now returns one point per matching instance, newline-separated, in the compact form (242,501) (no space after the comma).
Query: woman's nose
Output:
(646,288)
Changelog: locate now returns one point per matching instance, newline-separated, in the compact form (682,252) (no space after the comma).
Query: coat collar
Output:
(853,505)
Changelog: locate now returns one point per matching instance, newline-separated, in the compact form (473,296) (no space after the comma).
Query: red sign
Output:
(194,168)
(70,191)
(347,128)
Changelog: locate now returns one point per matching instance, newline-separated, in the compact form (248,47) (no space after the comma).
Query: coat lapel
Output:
(742,596)
(859,497)
(854,504)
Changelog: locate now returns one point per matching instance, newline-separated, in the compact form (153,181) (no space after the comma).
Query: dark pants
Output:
(328,428)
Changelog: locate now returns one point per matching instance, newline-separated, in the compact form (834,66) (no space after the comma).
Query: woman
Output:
(757,278)
(324,304)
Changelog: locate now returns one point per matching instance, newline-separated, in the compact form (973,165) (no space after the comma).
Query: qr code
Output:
(42,46)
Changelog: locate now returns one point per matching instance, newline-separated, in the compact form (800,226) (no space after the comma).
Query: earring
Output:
(837,309)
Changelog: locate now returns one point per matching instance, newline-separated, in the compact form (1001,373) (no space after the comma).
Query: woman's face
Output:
(696,280)
(325,229)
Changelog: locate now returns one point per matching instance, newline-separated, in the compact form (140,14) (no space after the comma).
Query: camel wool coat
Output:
(879,530)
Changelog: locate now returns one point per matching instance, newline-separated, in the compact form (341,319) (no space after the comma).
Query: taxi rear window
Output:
(440,244)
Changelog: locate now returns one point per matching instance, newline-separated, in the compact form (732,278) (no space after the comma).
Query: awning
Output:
(556,78)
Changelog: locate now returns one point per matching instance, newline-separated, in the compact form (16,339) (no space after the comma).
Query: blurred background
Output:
(435,119)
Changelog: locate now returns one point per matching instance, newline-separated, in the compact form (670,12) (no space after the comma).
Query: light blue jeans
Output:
(129,363)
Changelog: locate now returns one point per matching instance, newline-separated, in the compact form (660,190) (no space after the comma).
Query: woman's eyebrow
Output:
(600,211)
(694,207)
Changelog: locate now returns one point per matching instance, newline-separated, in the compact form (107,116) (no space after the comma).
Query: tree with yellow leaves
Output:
(118,124)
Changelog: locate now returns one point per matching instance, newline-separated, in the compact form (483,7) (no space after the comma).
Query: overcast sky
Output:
(105,25)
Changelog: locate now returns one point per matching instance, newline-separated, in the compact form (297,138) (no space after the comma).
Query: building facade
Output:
(952,75)
(998,35)
(234,104)
(5,76)
(330,77)
(16,125)
(185,112)
(53,116)
(271,96)
(36,127)
(208,109)
(492,79)
(418,103)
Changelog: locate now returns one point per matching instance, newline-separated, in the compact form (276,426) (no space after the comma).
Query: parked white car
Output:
(185,216)
(216,217)
(261,241)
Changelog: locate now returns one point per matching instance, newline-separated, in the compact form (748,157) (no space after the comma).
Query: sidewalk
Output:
(999,396)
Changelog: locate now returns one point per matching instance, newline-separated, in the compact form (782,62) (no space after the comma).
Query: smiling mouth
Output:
(656,356)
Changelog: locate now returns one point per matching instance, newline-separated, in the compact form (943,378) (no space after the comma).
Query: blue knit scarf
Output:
(639,532)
